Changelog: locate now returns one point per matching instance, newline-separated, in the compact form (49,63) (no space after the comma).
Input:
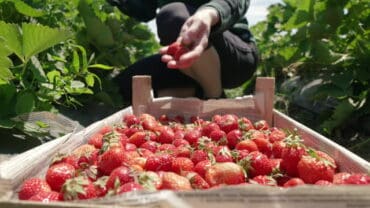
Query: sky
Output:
(257,12)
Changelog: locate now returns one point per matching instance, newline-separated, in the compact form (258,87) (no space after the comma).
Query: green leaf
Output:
(99,33)
(37,69)
(11,34)
(52,75)
(101,66)
(299,19)
(342,113)
(89,79)
(288,52)
(7,123)
(76,62)
(332,90)
(25,103)
(77,84)
(37,38)
(5,74)
(141,32)
(7,96)
(83,57)
(321,52)
(25,9)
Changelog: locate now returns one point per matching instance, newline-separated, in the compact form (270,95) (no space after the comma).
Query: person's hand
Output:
(194,35)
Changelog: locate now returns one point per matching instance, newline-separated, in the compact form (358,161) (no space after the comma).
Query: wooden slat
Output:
(264,95)
(141,93)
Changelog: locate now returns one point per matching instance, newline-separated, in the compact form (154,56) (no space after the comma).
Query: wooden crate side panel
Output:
(347,160)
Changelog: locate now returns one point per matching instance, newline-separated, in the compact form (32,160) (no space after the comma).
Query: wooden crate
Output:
(258,106)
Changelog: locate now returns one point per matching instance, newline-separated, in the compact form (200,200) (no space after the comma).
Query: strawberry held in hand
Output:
(176,49)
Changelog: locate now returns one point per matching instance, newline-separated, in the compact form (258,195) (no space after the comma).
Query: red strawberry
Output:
(46,196)
(198,155)
(183,151)
(256,164)
(180,142)
(78,188)
(323,183)
(239,154)
(358,179)
(101,186)
(57,174)
(223,154)
(192,136)
(180,52)
(340,178)
(208,128)
(139,138)
(130,186)
(120,176)
(150,145)
(291,155)
(264,180)
(111,159)
(276,135)
(144,152)
(218,136)
(31,187)
(196,181)
(261,125)
(225,173)
(277,148)
(248,145)
(150,180)
(180,164)
(165,135)
(233,138)
(168,148)
(202,167)
(316,166)
(293,182)
(105,129)
(173,181)
(161,162)
(228,123)
(173,48)
(130,120)
(245,124)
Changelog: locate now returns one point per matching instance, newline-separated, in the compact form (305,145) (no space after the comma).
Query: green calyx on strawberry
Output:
(78,188)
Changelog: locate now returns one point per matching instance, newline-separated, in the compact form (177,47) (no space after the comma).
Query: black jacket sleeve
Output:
(230,12)
(142,10)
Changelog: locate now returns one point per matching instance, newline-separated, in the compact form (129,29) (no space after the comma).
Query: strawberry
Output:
(223,154)
(183,151)
(161,162)
(165,135)
(291,155)
(196,181)
(245,124)
(233,138)
(111,159)
(105,129)
(208,128)
(180,164)
(276,135)
(120,176)
(180,141)
(192,136)
(144,152)
(150,145)
(261,125)
(247,144)
(202,167)
(316,166)
(180,52)
(139,138)
(239,154)
(78,188)
(293,182)
(228,122)
(358,179)
(198,155)
(101,186)
(263,145)
(173,181)
(130,186)
(225,173)
(323,183)
(176,49)
(277,149)
(57,175)
(46,196)
(218,136)
(150,180)
(31,187)
(130,120)
(167,148)
(96,140)
(256,164)
(340,178)
(264,180)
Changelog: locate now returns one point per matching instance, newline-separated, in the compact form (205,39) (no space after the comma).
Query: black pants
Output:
(238,58)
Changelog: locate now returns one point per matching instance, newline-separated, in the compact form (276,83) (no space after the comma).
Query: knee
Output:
(170,20)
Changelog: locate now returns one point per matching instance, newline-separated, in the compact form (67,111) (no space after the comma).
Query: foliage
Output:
(57,53)
(327,41)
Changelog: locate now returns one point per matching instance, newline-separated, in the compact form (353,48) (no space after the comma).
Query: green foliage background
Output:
(319,51)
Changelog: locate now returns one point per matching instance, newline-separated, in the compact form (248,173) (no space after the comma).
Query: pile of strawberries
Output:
(145,153)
